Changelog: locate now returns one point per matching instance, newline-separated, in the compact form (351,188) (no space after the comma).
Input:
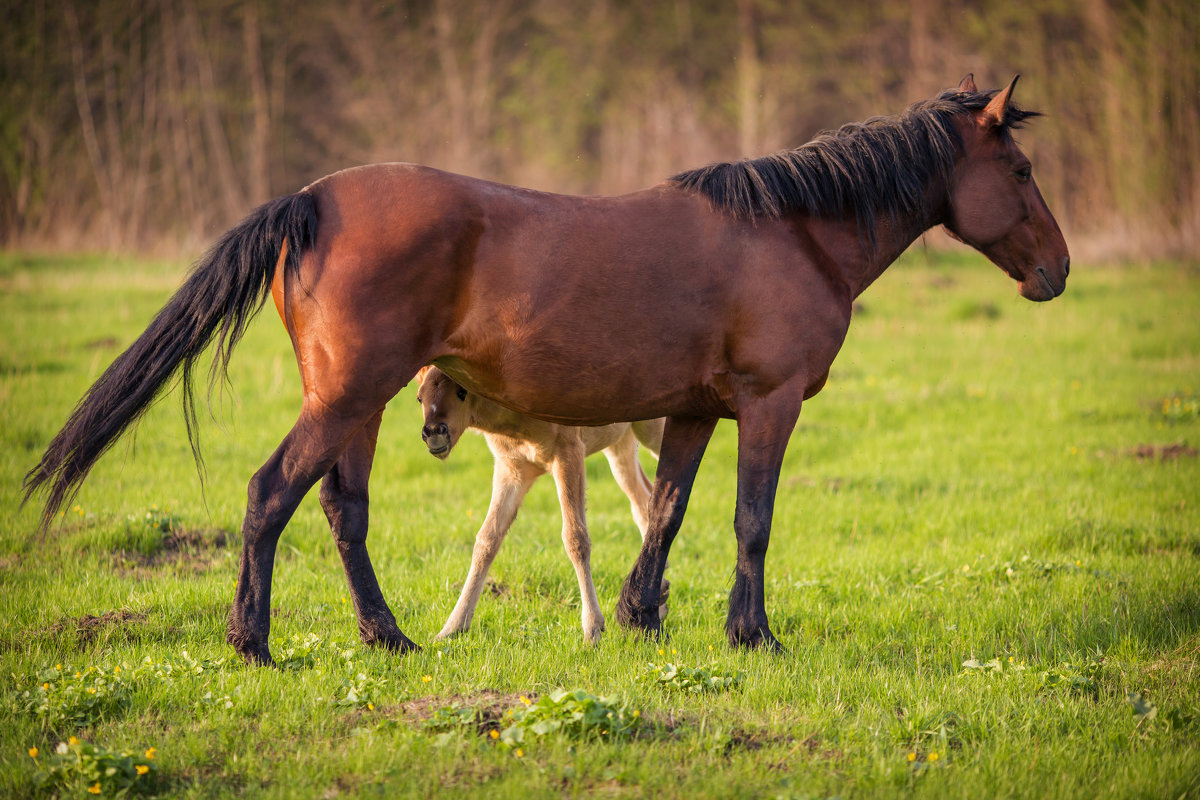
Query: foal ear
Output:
(967,84)
(997,109)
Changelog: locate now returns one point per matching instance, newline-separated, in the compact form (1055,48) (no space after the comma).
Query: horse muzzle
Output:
(1042,284)
(437,439)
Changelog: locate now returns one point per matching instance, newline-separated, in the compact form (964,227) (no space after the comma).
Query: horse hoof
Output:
(755,639)
(395,641)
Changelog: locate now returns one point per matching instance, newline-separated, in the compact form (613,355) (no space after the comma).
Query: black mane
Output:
(881,165)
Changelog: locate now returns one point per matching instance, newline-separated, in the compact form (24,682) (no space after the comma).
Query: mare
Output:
(524,449)
(723,292)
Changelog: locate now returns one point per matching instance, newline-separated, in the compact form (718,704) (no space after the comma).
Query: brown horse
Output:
(724,292)
(523,450)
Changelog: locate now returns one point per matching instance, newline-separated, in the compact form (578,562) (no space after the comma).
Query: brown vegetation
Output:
(128,126)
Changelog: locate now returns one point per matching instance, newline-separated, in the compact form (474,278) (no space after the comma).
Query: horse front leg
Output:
(345,500)
(764,428)
(684,440)
(510,483)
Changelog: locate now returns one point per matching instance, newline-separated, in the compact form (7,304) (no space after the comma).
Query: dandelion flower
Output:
(142,769)
(33,751)
(426,678)
(495,734)
(94,788)
(150,753)
(912,756)
(933,756)
(77,675)
(661,651)
(520,753)
(72,741)
(370,706)
(525,700)
(637,713)
(46,687)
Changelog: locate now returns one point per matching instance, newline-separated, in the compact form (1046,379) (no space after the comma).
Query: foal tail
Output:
(221,295)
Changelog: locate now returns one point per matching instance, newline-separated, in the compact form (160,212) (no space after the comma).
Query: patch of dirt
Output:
(1163,452)
(496,588)
(88,627)
(490,706)
(194,551)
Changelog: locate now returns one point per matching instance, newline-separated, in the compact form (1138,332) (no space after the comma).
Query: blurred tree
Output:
(158,123)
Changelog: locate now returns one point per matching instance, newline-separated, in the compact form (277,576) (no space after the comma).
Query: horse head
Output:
(994,202)
(444,404)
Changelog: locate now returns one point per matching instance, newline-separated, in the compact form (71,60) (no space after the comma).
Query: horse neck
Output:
(862,256)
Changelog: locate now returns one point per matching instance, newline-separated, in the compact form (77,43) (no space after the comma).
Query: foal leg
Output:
(622,459)
(571,480)
(684,441)
(344,499)
(306,453)
(510,482)
(763,432)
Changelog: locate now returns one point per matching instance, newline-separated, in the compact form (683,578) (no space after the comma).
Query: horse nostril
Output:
(1066,266)
(437,429)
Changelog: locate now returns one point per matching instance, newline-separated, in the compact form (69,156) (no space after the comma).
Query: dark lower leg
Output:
(683,446)
(345,501)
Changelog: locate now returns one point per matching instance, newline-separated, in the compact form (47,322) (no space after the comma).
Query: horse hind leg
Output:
(344,499)
(308,451)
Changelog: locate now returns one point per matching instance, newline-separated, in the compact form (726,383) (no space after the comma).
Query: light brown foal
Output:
(524,449)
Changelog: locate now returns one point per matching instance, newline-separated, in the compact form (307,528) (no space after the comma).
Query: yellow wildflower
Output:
(370,706)
(94,788)
(525,700)
(661,651)
(142,769)
(33,751)
(46,686)
(933,756)
(426,678)
(912,756)
(637,713)
(520,753)
(72,741)
(77,675)
(151,753)
(495,734)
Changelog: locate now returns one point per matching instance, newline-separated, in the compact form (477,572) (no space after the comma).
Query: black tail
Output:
(222,294)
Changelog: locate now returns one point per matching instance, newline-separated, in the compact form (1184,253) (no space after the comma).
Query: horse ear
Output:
(967,84)
(996,110)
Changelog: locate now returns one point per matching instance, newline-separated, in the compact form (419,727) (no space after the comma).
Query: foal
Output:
(525,449)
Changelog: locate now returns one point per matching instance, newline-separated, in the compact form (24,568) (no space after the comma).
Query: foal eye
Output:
(462,393)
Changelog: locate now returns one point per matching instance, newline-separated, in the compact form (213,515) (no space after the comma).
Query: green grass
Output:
(983,480)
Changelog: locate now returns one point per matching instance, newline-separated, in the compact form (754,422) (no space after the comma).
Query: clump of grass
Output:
(576,714)
(695,680)
(65,698)
(80,769)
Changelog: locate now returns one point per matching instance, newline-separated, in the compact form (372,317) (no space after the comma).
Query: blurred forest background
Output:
(152,125)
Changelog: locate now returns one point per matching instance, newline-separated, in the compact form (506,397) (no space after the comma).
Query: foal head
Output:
(444,404)
(994,202)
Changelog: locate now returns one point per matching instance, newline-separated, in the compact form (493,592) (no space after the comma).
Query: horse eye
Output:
(1023,173)
(462,393)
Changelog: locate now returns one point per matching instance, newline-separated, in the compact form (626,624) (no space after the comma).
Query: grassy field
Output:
(985,565)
